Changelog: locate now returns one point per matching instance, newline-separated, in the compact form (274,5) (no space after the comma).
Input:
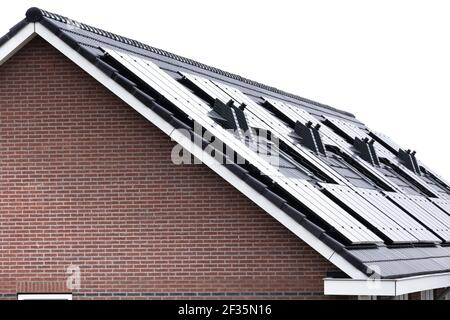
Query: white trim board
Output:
(427,295)
(44,296)
(10,47)
(385,287)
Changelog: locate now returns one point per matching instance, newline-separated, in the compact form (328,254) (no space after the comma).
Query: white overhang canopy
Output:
(385,287)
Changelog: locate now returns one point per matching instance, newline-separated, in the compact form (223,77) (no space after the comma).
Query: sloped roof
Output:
(361,195)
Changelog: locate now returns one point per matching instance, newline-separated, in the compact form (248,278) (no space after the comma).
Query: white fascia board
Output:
(422,283)
(10,47)
(33,296)
(210,161)
(357,287)
(97,74)
(386,287)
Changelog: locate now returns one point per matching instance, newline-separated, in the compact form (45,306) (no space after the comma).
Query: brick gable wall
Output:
(87,181)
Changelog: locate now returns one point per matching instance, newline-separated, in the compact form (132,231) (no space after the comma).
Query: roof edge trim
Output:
(385,287)
(14,43)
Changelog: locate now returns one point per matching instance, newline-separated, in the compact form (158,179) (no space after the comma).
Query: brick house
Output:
(93,205)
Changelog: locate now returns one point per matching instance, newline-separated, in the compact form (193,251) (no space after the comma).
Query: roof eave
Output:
(15,39)
(385,287)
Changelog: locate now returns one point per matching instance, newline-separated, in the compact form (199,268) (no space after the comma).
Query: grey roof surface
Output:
(395,262)
(389,259)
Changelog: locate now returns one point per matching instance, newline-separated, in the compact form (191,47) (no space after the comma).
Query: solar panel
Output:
(292,169)
(333,214)
(402,183)
(434,174)
(352,131)
(304,192)
(432,209)
(348,172)
(430,184)
(374,208)
(298,114)
(426,188)
(206,85)
(444,204)
(421,214)
(381,202)
(215,93)
(436,185)
(387,141)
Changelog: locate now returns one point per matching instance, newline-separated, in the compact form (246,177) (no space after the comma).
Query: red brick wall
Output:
(86,181)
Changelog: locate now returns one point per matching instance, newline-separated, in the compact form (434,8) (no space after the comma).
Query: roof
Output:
(91,38)
(366,204)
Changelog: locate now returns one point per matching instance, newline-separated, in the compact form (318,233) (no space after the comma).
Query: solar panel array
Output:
(427,217)
(432,180)
(388,219)
(263,118)
(330,137)
(307,194)
(359,200)
(353,131)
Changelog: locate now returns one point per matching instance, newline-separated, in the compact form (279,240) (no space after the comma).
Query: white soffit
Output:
(9,48)
(385,287)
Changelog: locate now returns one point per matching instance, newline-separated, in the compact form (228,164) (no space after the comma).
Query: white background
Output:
(388,62)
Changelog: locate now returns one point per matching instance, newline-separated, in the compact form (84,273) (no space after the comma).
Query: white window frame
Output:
(367,297)
(447,296)
(427,295)
(43,296)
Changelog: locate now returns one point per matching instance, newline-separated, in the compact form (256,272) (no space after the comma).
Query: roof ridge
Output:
(36,14)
